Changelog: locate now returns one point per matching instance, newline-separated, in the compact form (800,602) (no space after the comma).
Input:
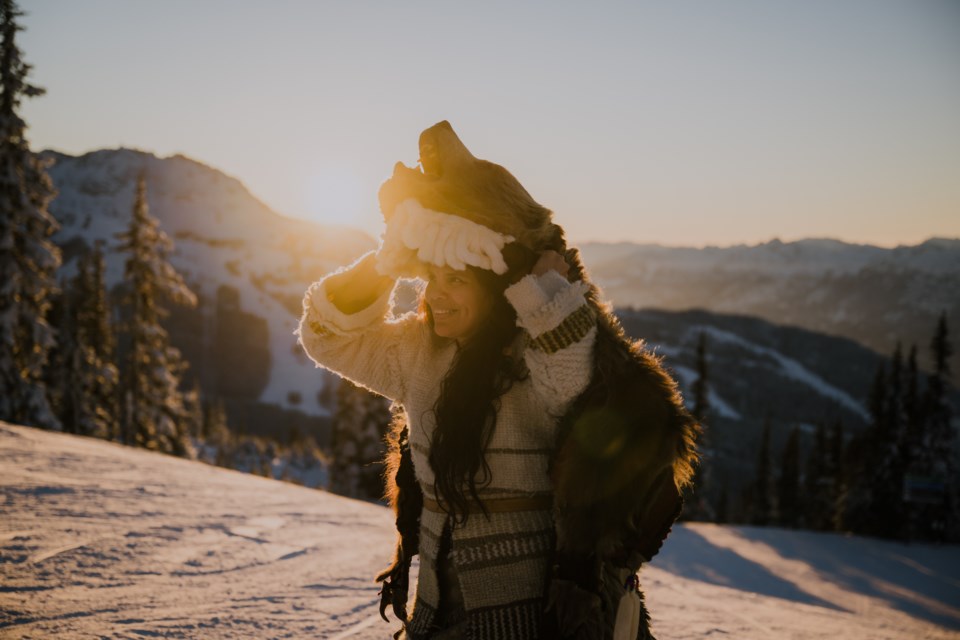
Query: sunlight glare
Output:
(335,196)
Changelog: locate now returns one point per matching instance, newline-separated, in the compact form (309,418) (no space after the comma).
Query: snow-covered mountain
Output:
(244,261)
(100,540)
(873,295)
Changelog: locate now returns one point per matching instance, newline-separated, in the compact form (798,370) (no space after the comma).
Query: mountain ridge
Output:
(250,266)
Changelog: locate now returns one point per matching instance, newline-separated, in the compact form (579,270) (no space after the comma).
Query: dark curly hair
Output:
(483,370)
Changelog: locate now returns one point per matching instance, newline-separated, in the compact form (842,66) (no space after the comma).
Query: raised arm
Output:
(344,329)
(562,330)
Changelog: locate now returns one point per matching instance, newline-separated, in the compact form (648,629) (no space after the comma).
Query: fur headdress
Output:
(456,211)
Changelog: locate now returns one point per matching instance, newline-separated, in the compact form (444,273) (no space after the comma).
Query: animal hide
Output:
(626,446)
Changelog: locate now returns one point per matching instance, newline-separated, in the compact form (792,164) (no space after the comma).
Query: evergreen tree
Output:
(788,482)
(60,358)
(895,419)
(701,404)
(932,467)
(912,408)
(357,442)
(94,375)
(28,258)
(818,484)
(155,414)
(838,472)
(214,428)
(763,507)
(875,504)
(723,508)
(697,506)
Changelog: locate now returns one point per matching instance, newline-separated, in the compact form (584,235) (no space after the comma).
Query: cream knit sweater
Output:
(501,560)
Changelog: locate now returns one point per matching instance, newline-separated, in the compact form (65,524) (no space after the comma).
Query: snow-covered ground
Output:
(102,541)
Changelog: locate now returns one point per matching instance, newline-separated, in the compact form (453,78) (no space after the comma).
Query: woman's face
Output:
(458,302)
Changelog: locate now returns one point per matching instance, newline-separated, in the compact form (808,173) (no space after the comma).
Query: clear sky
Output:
(678,122)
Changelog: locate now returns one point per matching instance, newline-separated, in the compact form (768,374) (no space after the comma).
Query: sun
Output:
(336,196)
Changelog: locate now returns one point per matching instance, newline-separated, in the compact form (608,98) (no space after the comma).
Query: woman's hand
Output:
(359,286)
(548,260)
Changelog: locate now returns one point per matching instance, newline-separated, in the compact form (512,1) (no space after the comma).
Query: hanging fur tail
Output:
(404,495)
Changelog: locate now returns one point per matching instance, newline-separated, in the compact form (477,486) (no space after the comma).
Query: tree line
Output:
(73,359)
(895,479)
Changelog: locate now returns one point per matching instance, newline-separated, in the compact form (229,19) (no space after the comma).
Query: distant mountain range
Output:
(250,267)
(873,295)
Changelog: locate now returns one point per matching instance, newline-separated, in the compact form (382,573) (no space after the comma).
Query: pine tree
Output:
(723,515)
(818,483)
(154,409)
(701,403)
(59,376)
(697,506)
(763,507)
(932,467)
(28,258)
(875,504)
(357,442)
(94,375)
(912,407)
(838,472)
(788,482)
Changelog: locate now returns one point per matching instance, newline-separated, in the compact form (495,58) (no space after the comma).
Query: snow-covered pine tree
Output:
(94,374)
(154,405)
(28,258)
(58,375)
(357,445)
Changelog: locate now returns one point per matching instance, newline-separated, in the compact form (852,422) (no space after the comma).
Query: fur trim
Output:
(416,236)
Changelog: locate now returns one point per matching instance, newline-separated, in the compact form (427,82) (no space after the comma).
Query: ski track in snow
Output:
(103,541)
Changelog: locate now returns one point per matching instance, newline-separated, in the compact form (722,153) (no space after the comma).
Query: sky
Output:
(684,123)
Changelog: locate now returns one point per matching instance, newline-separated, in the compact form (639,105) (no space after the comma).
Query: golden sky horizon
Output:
(692,124)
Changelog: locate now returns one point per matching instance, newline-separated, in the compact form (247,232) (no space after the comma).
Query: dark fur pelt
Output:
(404,495)
(625,447)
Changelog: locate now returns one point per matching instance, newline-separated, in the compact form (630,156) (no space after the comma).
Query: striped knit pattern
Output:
(502,561)
(572,330)
(517,620)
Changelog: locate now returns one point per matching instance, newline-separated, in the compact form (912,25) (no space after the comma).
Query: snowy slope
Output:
(98,540)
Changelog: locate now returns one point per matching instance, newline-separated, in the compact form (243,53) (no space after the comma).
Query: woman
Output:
(507,521)
(481,410)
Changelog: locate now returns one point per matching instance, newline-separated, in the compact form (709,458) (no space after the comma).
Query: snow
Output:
(788,367)
(715,401)
(99,540)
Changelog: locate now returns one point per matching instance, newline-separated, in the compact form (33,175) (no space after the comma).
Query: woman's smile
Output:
(457,302)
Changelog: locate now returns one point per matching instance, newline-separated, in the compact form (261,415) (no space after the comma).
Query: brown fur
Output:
(626,446)
(454,181)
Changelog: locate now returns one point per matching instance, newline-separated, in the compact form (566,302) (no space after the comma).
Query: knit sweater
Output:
(501,559)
